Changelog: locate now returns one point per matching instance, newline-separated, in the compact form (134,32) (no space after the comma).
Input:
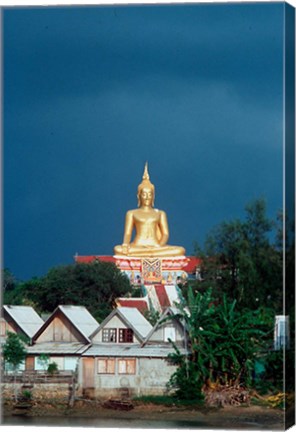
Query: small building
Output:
(22,320)
(63,337)
(168,328)
(126,358)
(126,370)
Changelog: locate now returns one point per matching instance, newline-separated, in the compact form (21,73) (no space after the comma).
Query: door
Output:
(88,372)
(30,362)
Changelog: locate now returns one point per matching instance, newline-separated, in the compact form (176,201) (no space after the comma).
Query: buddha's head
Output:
(146,190)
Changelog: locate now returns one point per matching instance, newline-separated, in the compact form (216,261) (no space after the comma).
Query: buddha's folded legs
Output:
(150,251)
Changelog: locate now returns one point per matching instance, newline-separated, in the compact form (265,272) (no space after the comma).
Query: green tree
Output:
(95,286)
(240,260)
(14,353)
(224,251)
(12,294)
(8,280)
(152,316)
(195,314)
(222,343)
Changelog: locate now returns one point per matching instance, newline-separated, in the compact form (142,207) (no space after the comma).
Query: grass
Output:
(167,401)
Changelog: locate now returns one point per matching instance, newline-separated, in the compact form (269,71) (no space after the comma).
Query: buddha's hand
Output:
(125,249)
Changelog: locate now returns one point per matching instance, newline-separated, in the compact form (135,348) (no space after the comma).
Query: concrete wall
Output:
(151,377)
(155,374)
(44,391)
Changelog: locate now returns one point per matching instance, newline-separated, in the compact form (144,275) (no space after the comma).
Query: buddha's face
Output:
(146,197)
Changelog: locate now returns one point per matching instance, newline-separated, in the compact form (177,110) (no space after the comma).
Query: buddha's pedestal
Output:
(152,270)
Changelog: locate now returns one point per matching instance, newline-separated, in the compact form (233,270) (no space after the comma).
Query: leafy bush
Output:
(52,368)
(273,377)
(186,382)
(26,395)
(222,346)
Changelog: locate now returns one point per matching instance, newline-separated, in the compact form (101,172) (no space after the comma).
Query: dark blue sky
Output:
(91,93)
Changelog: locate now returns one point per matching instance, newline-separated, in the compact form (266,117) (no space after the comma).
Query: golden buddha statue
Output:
(151,227)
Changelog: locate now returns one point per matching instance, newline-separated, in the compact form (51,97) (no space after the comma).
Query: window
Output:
(71,363)
(126,335)
(109,335)
(106,366)
(127,366)
(59,361)
(170,333)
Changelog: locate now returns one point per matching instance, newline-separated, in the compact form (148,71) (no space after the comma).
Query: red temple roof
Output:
(190,267)
(192,264)
(91,258)
(163,299)
(139,303)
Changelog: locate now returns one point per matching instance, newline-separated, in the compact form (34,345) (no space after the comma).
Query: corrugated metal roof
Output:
(136,319)
(170,311)
(57,348)
(172,294)
(112,350)
(132,318)
(174,310)
(26,317)
(81,318)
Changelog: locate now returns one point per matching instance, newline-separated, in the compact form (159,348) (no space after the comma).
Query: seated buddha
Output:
(151,227)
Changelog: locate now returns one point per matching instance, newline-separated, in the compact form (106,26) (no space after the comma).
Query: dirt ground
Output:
(247,417)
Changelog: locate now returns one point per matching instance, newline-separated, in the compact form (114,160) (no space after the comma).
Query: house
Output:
(168,328)
(120,363)
(22,320)
(63,338)
(125,371)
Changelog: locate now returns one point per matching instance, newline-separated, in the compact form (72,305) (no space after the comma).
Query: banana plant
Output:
(222,342)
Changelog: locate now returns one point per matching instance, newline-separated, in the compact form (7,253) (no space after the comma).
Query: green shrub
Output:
(186,382)
(52,368)
(26,395)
